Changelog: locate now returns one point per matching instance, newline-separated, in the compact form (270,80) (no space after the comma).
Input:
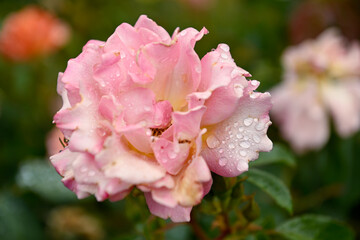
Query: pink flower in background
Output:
(31,32)
(322,76)
(142,110)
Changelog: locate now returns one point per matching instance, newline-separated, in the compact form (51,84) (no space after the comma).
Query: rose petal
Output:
(237,140)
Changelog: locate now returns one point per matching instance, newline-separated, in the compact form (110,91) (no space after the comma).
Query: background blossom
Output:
(322,77)
(31,32)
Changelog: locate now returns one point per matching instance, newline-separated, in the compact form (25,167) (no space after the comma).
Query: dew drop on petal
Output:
(242,153)
(212,141)
(83,169)
(224,56)
(221,150)
(231,146)
(260,126)
(239,136)
(254,83)
(172,155)
(245,144)
(248,121)
(242,166)
(91,173)
(234,73)
(148,132)
(239,90)
(241,129)
(223,161)
(225,47)
(256,138)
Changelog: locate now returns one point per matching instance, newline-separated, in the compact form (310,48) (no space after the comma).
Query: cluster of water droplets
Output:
(237,140)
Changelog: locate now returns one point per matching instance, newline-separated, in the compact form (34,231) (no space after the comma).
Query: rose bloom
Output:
(142,110)
(31,32)
(322,77)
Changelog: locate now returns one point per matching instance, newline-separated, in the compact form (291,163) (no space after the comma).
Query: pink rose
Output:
(32,32)
(321,76)
(142,110)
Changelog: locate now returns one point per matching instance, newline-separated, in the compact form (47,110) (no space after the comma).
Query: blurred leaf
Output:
(314,227)
(16,221)
(39,176)
(279,154)
(272,186)
(180,232)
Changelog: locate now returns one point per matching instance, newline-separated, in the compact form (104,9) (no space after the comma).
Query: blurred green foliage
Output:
(324,182)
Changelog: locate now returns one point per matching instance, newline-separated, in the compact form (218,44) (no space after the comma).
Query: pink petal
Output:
(138,105)
(145,22)
(344,106)
(303,120)
(176,214)
(186,125)
(119,161)
(224,80)
(237,140)
(170,155)
(180,75)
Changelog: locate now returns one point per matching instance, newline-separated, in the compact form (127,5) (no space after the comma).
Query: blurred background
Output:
(33,202)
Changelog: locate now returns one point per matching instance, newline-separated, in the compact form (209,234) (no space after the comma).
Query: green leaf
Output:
(279,154)
(180,232)
(273,186)
(40,177)
(16,221)
(314,227)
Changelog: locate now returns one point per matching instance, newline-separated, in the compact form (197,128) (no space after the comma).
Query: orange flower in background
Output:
(31,32)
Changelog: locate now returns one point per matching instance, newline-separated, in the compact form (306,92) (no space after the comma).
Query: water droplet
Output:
(241,129)
(212,141)
(221,150)
(239,136)
(91,173)
(224,56)
(172,155)
(236,124)
(122,55)
(231,146)
(256,138)
(246,137)
(147,109)
(148,132)
(83,169)
(198,69)
(225,47)
(242,166)
(260,126)
(242,153)
(183,33)
(245,144)
(254,82)
(223,161)
(234,73)
(239,90)
(248,121)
